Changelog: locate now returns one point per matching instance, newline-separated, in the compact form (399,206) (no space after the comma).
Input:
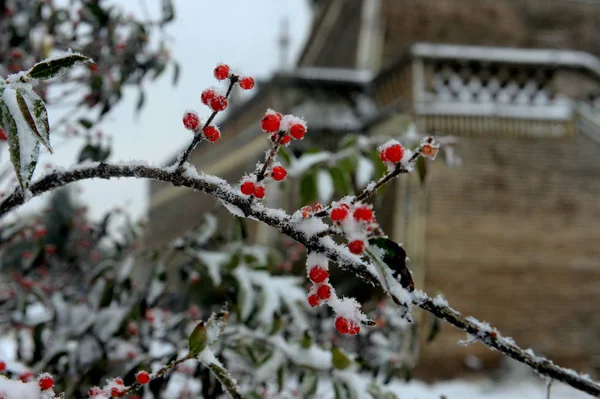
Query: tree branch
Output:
(283,222)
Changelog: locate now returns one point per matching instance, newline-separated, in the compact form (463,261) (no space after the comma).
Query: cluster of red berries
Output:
(346,326)
(321,289)
(216,100)
(114,388)
(251,185)
(287,127)
(357,221)
(307,211)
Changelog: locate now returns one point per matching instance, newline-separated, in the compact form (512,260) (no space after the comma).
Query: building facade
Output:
(511,235)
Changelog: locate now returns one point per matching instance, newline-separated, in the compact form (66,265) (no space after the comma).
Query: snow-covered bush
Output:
(111,327)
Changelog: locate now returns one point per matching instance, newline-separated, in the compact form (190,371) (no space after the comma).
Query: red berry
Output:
(285,140)
(142,377)
(121,46)
(247,83)
(218,103)
(40,232)
(247,188)
(317,274)
(339,214)
(298,131)
(394,153)
(221,71)
(191,120)
(45,382)
(324,291)
(313,300)
(3,136)
(206,96)
(119,381)
(212,133)
(363,213)
(278,173)
(259,191)
(93,67)
(342,325)
(382,156)
(117,392)
(357,247)
(353,328)
(270,123)
(94,391)
(2,366)
(306,211)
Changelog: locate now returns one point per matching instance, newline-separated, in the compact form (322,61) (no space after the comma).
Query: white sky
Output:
(242,33)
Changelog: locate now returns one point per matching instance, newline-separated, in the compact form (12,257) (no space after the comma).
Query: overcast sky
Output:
(240,32)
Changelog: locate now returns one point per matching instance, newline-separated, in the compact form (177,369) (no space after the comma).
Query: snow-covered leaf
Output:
(34,112)
(324,186)
(50,68)
(23,144)
(364,172)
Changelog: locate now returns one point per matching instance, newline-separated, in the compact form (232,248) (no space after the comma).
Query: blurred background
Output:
(505,226)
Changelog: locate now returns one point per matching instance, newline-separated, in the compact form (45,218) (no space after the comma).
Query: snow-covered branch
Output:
(306,232)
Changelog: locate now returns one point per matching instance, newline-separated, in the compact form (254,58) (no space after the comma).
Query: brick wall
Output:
(512,238)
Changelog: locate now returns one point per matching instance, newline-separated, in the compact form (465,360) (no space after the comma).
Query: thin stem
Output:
(198,137)
(276,146)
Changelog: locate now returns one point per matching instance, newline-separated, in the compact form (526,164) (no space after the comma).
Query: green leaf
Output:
(306,341)
(34,112)
(340,360)
(309,385)
(308,188)
(198,339)
(286,155)
(51,68)
(88,152)
(394,257)
(86,123)
(98,12)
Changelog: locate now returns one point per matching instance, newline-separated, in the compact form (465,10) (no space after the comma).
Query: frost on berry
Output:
(221,71)
(142,377)
(357,247)
(339,214)
(295,126)
(324,291)
(285,140)
(392,151)
(247,185)
(313,300)
(45,381)
(349,315)
(207,95)
(246,82)
(212,133)
(218,103)
(191,121)
(306,211)
(317,274)
(259,190)
(271,122)
(363,213)
(278,173)
(429,148)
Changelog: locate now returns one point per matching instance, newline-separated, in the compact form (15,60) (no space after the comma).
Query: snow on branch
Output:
(285,223)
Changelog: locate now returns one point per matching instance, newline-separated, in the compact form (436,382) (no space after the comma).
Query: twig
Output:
(198,137)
